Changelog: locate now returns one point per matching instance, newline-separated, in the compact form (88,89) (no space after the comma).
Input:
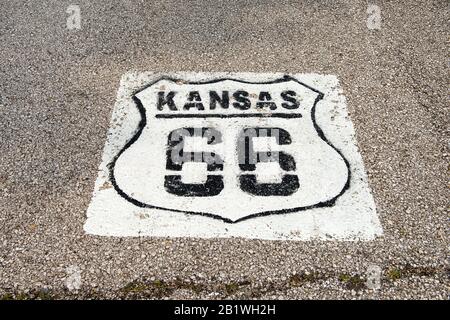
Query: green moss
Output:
(43,295)
(344,277)
(134,287)
(22,296)
(197,288)
(159,288)
(158,284)
(7,296)
(394,274)
(299,279)
(355,282)
(231,288)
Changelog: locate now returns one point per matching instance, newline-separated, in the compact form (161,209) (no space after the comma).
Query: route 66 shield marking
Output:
(266,156)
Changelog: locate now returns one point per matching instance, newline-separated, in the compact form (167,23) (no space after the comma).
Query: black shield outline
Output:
(143,123)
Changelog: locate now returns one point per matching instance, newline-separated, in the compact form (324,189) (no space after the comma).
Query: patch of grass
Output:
(344,277)
(7,296)
(231,288)
(32,295)
(299,279)
(161,289)
(134,287)
(420,271)
(402,231)
(158,288)
(394,274)
(22,296)
(43,295)
(355,282)
(158,284)
(195,287)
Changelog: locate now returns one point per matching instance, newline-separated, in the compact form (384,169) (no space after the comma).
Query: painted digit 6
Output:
(248,159)
(176,157)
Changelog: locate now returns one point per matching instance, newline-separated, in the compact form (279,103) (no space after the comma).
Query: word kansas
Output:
(239,99)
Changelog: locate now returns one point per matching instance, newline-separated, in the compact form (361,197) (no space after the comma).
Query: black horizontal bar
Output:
(232,115)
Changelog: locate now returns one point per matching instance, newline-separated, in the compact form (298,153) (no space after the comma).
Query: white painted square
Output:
(265,143)
(126,206)
(195,144)
(268,172)
(194,172)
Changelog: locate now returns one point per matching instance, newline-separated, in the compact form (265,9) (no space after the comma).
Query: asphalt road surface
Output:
(57,91)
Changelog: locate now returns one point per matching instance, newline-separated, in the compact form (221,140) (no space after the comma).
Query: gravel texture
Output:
(57,90)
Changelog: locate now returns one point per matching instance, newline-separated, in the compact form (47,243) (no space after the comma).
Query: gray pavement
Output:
(57,90)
